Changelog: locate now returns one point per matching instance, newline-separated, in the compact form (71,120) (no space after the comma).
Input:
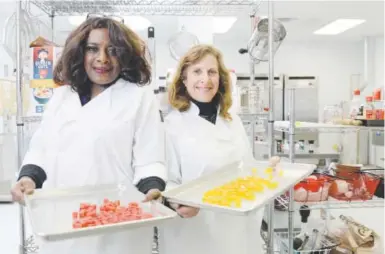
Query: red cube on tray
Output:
(109,212)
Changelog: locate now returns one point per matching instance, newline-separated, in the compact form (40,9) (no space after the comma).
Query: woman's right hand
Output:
(24,185)
(185,211)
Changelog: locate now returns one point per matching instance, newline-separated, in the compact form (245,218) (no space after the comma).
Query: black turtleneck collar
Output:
(208,110)
(85,97)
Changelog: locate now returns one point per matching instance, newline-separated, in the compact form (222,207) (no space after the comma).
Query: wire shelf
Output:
(30,246)
(282,242)
(146,7)
(262,115)
(301,127)
(32,119)
(311,155)
(332,204)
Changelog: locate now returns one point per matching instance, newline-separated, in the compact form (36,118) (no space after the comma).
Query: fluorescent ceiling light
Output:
(339,26)
(76,20)
(136,23)
(222,25)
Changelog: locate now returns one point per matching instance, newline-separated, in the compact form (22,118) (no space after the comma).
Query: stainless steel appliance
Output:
(306,106)
(376,148)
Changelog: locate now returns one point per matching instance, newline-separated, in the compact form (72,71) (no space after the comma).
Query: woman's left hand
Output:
(153,194)
(187,211)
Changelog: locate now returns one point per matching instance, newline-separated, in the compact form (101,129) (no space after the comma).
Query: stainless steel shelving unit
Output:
(287,203)
(284,126)
(334,204)
(312,155)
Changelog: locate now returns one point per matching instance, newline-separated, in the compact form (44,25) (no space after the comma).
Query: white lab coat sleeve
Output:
(173,164)
(36,148)
(148,148)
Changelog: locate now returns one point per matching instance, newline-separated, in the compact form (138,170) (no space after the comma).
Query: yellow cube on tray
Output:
(231,194)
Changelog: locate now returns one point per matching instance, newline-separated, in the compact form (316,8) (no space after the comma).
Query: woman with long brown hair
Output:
(101,126)
(203,135)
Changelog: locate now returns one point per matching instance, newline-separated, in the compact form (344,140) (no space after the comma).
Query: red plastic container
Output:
(357,185)
(371,181)
(313,189)
(377,94)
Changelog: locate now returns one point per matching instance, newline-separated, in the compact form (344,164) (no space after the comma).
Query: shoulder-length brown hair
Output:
(178,96)
(130,52)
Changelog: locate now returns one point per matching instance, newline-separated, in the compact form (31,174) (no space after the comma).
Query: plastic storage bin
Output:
(380,189)
(372,182)
(355,186)
(314,188)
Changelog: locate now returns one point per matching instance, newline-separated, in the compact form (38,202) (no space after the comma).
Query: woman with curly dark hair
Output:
(203,135)
(101,126)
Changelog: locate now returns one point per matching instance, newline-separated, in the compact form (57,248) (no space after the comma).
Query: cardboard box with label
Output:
(44,59)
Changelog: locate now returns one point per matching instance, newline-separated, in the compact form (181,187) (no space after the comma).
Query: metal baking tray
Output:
(191,193)
(50,211)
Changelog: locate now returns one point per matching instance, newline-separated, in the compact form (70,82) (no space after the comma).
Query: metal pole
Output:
(270,129)
(19,115)
(154,58)
(291,158)
(151,48)
(365,83)
(252,78)
(52,16)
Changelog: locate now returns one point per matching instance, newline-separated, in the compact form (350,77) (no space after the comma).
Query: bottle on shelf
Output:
(355,104)
(279,146)
(369,108)
(296,147)
(286,147)
(380,112)
(377,94)
(311,146)
(302,238)
(378,104)
(332,114)
(301,144)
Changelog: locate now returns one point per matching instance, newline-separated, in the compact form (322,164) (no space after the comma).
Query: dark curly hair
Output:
(130,52)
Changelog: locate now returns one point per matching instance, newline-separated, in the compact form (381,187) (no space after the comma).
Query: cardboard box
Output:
(42,85)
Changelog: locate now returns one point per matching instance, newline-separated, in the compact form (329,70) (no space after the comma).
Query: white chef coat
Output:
(116,137)
(195,146)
